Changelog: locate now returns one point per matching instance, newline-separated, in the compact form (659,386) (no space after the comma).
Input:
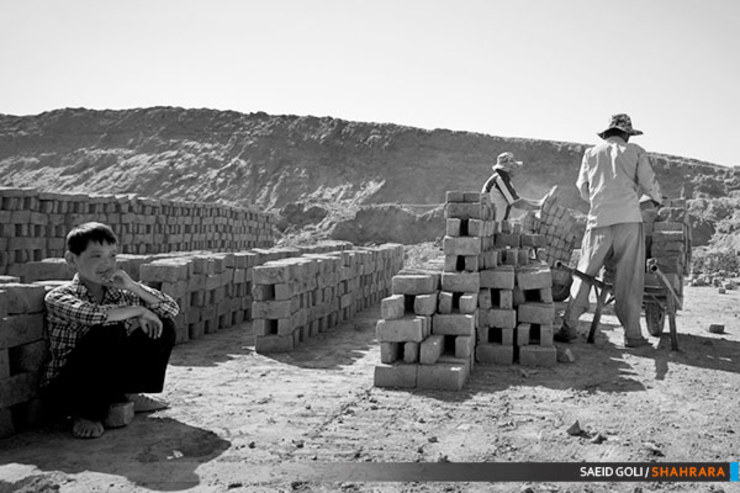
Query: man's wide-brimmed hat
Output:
(507,159)
(622,122)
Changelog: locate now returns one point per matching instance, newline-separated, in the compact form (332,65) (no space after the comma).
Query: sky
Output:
(541,69)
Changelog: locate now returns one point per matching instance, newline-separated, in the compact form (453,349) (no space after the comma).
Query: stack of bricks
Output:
(34,224)
(23,350)
(296,298)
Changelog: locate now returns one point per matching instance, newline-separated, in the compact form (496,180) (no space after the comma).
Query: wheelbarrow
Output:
(658,301)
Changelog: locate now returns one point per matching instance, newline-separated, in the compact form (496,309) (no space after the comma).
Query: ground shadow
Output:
(710,352)
(156,453)
(215,348)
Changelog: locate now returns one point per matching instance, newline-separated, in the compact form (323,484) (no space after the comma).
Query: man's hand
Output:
(150,324)
(120,279)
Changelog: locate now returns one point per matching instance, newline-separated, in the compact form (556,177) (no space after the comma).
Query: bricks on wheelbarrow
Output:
(399,375)
(538,355)
(447,374)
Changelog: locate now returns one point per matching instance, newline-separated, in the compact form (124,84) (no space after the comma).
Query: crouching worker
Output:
(110,338)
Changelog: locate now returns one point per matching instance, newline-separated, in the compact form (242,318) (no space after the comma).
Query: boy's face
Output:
(96,263)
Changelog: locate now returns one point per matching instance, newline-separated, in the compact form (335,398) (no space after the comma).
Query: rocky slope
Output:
(273,161)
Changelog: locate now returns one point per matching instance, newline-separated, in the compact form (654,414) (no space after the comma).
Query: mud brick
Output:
(411,352)
(502,299)
(523,334)
(165,270)
(468,303)
(284,291)
(425,304)
(413,284)
(453,324)
(410,329)
(27,357)
(500,278)
(271,273)
(464,346)
(468,245)
(445,302)
(465,211)
(390,352)
(18,388)
(505,319)
(274,344)
(272,309)
(4,363)
(477,227)
(455,196)
(545,336)
(509,256)
(536,313)
(396,376)
(21,329)
(392,307)
(23,298)
(454,227)
(494,354)
(534,277)
(534,240)
(472,263)
(461,282)
(264,327)
(545,295)
(431,349)
(484,299)
(503,240)
(538,355)
(26,243)
(524,256)
(447,374)
(471,197)
(489,260)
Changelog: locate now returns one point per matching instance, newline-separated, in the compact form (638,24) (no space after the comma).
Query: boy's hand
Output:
(150,324)
(120,279)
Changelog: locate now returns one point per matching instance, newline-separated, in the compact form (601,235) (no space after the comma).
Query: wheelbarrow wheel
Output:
(561,281)
(655,317)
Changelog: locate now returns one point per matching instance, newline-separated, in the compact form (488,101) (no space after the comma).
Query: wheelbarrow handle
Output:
(652,266)
(575,272)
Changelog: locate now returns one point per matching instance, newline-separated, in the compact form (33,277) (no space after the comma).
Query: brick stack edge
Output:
(492,304)
(33,225)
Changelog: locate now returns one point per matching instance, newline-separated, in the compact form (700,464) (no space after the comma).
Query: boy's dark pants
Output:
(106,364)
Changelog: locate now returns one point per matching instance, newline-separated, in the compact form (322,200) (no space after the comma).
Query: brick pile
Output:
(33,224)
(668,241)
(562,233)
(492,304)
(23,350)
(296,298)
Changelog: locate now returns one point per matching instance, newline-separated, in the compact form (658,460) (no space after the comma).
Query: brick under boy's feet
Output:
(120,414)
(145,404)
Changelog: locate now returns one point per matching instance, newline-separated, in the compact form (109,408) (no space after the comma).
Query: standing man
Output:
(502,192)
(613,176)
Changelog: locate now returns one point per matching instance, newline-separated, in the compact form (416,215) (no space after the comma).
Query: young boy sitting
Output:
(100,355)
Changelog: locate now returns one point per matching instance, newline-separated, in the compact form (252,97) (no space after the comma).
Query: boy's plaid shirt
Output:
(71,311)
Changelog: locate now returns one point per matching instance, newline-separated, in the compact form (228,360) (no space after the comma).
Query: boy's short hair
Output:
(81,235)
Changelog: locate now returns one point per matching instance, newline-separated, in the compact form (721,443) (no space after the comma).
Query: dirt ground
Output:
(242,421)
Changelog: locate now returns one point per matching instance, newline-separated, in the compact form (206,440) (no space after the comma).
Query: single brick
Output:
(472,263)
(24,298)
(273,344)
(538,355)
(445,302)
(395,376)
(469,245)
(454,324)
(536,313)
(465,211)
(411,352)
(425,304)
(392,307)
(402,330)
(431,349)
(506,319)
(455,196)
(534,277)
(501,278)
(464,346)
(523,332)
(484,299)
(494,354)
(451,263)
(461,283)
(21,329)
(453,227)
(468,303)
(472,197)
(28,357)
(477,227)
(413,284)
(272,309)
(18,388)
(503,240)
(447,374)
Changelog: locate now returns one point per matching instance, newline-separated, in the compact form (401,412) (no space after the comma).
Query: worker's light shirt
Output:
(613,175)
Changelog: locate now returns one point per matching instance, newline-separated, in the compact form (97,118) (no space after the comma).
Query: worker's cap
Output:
(507,159)
(621,121)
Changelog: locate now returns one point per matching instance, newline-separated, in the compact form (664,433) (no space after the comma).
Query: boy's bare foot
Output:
(146,404)
(85,428)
